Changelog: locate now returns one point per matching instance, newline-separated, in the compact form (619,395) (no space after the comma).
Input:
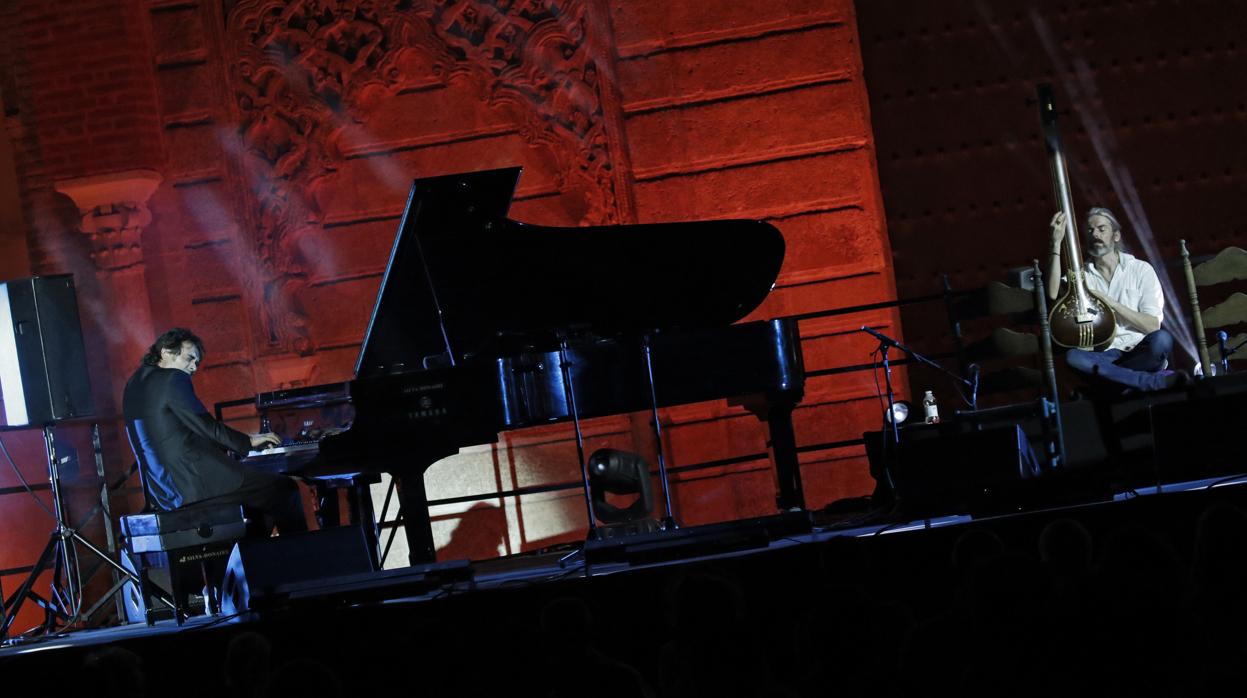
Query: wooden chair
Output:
(1036,373)
(1008,357)
(1228,265)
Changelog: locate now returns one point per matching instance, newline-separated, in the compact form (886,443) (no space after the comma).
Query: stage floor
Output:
(405,589)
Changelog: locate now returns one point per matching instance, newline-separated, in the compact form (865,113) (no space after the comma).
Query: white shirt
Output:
(1134,285)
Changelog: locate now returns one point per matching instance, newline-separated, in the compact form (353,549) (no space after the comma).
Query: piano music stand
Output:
(62,555)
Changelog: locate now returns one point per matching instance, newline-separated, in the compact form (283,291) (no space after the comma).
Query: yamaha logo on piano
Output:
(424,414)
(409,389)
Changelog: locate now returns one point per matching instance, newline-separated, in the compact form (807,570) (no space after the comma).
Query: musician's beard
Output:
(1098,249)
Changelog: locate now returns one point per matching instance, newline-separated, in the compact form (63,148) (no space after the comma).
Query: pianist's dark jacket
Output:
(179,445)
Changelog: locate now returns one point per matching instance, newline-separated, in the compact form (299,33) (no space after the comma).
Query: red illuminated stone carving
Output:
(301,72)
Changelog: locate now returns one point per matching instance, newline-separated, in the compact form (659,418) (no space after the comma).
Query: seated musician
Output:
(183,449)
(1137,356)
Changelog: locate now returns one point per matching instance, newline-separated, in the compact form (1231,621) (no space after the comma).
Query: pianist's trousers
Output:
(268,499)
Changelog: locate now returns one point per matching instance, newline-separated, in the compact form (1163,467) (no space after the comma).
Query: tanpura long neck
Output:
(1073,254)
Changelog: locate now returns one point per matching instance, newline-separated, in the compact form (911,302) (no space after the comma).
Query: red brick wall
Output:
(86,89)
(759,111)
(286,141)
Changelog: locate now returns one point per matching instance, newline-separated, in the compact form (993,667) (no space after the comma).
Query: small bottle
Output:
(930,409)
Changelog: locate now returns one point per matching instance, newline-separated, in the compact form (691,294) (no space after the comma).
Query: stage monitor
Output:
(43,365)
(952,468)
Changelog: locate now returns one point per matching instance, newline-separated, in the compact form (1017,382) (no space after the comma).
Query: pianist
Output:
(182,449)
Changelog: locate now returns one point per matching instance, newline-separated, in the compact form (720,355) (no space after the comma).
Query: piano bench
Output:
(179,540)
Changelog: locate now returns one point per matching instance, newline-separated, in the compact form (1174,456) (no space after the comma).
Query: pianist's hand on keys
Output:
(266,440)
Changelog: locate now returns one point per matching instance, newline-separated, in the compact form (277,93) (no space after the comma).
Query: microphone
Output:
(1225,358)
(879,336)
(974,387)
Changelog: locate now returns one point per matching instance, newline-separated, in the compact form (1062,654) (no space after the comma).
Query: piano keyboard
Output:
(298,448)
(287,458)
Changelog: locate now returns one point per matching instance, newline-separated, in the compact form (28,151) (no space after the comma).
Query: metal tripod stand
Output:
(60,554)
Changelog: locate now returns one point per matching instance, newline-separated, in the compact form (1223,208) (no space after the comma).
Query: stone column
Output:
(114,212)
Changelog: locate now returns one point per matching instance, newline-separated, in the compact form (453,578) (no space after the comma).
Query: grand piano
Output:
(482,323)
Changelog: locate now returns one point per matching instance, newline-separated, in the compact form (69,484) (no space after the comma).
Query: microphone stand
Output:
(886,341)
(890,416)
(1227,353)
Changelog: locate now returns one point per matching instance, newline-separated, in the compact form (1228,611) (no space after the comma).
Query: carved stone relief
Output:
(300,72)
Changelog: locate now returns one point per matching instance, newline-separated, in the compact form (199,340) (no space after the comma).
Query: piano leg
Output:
(327,511)
(362,515)
(415,508)
(783,447)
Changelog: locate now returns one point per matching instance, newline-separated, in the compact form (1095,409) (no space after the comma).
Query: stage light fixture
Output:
(900,412)
(618,472)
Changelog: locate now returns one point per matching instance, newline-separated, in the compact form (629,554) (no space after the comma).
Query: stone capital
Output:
(114,211)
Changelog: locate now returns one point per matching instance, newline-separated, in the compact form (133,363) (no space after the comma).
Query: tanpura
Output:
(1078,319)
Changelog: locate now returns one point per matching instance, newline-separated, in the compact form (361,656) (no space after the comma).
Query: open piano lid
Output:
(461,275)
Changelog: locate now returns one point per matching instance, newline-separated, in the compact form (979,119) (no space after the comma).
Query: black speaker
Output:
(1201,437)
(259,569)
(135,606)
(951,468)
(43,362)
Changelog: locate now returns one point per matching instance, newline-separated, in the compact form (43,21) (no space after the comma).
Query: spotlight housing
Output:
(900,411)
(620,472)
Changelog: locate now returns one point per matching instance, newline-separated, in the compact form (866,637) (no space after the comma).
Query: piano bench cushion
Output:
(222,536)
(203,521)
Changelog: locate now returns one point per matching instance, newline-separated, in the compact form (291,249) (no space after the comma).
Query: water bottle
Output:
(930,409)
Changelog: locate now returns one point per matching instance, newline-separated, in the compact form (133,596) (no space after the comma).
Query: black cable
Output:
(960,388)
(26,485)
(60,599)
(570,571)
(211,624)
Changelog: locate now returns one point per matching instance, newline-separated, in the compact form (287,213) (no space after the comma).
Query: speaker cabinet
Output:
(260,569)
(1201,437)
(43,362)
(948,468)
(135,606)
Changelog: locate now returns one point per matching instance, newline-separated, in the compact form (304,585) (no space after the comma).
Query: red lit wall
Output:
(1151,111)
(239,168)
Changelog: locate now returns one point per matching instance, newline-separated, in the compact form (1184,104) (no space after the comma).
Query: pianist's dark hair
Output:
(172,340)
